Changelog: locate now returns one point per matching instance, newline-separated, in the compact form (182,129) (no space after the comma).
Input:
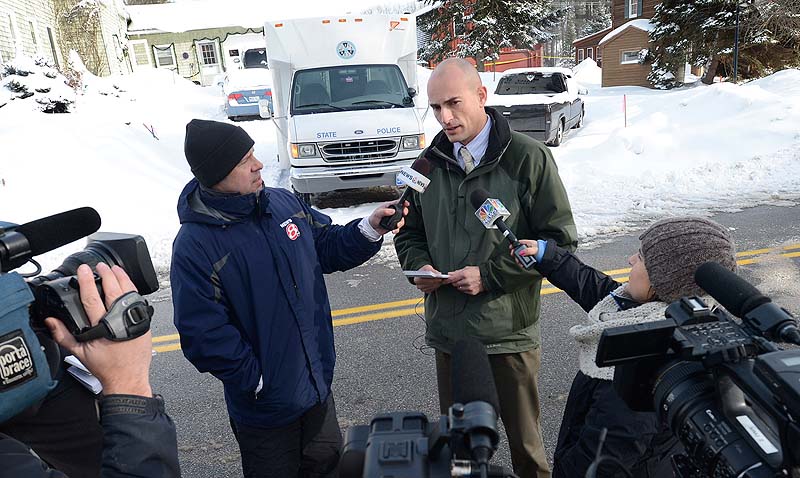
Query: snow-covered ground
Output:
(694,150)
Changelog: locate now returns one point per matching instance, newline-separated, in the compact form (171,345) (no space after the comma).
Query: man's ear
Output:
(482,94)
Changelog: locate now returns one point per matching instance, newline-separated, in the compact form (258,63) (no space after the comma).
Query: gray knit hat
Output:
(674,248)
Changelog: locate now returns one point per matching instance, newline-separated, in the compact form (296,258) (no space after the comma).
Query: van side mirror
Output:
(412,92)
(264,110)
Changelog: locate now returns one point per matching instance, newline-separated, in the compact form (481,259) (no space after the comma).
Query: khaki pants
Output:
(516,378)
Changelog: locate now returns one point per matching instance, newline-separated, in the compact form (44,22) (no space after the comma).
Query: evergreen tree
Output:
(597,18)
(483,27)
(702,32)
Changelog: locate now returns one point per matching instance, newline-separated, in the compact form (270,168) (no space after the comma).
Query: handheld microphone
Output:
(748,303)
(415,179)
(491,212)
(43,235)
(474,414)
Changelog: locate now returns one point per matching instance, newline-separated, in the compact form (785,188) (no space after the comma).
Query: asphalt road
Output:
(383,364)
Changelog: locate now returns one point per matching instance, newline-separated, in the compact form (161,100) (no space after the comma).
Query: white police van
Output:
(344,99)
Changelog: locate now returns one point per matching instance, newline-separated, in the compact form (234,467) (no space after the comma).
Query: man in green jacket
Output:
(487,295)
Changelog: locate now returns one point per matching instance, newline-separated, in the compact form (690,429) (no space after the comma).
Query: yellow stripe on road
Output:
(400,308)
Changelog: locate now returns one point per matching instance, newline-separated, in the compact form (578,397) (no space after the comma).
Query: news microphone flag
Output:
(490,211)
(413,179)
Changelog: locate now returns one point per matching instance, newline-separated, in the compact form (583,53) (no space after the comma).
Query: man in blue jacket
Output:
(251,304)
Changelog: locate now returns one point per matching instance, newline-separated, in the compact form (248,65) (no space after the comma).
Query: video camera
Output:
(407,445)
(29,358)
(724,389)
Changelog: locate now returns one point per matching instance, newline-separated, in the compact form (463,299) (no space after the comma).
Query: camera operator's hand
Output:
(122,367)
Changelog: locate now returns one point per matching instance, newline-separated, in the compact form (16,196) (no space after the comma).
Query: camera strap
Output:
(127,318)
(25,376)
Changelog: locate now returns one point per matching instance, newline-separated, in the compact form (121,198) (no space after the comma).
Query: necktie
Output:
(469,161)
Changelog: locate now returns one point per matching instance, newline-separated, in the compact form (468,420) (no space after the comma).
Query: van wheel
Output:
(559,134)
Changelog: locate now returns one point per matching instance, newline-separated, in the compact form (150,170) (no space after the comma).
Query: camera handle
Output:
(127,318)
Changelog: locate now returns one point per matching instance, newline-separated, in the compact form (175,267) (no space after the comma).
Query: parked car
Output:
(543,103)
(244,89)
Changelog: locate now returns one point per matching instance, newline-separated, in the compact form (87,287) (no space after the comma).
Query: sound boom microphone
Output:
(473,417)
(20,244)
(746,302)
(491,212)
(415,179)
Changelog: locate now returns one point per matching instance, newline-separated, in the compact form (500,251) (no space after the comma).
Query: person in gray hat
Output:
(251,304)
(662,271)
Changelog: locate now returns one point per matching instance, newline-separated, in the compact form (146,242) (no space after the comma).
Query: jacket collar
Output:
(202,205)
(441,149)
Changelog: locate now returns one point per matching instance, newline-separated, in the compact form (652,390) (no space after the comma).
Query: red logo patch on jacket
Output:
(292,231)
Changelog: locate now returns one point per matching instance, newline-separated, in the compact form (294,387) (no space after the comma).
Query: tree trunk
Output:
(712,71)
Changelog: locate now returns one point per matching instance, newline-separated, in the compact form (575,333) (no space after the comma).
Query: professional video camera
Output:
(29,358)
(407,445)
(729,394)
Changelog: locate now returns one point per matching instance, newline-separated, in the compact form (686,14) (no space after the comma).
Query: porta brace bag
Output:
(25,377)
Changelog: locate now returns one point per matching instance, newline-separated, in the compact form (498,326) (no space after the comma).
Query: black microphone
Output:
(474,414)
(745,301)
(489,211)
(415,179)
(43,235)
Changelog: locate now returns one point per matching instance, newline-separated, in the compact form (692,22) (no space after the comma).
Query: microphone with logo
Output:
(748,303)
(415,179)
(491,212)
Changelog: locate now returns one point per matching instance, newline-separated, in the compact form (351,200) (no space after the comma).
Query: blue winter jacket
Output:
(250,300)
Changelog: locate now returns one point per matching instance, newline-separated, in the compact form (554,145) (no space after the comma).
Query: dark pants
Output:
(516,380)
(306,448)
(64,431)
(634,438)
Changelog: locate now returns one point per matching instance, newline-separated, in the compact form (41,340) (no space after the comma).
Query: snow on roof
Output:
(642,24)
(591,35)
(541,69)
(183,16)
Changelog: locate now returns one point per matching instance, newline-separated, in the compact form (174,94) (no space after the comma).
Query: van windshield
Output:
(531,84)
(347,88)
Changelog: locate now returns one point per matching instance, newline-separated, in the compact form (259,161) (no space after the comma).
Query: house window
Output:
(633,8)
(629,57)
(165,56)
(33,35)
(590,53)
(208,53)
(580,54)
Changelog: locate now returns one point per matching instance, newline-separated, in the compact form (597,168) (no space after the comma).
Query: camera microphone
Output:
(748,303)
(415,178)
(476,402)
(491,212)
(21,243)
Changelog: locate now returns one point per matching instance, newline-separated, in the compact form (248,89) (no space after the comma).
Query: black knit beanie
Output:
(673,249)
(213,149)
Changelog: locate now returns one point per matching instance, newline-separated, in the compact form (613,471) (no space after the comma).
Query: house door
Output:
(141,55)
(209,60)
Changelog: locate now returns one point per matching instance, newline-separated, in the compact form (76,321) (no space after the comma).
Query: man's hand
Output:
(428,284)
(466,280)
(531,249)
(384,210)
(122,367)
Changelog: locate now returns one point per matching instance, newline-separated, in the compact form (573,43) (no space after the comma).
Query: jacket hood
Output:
(199,205)
(499,138)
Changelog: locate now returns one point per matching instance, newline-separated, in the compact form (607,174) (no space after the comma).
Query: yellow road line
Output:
(547,289)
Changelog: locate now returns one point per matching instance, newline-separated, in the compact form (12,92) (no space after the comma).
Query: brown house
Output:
(589,47)
(621,47)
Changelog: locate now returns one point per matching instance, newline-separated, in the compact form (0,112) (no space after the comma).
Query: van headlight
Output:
(304,150)
(413,142)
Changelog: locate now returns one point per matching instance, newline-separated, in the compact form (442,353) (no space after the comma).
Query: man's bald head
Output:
(456,95)
(457,68)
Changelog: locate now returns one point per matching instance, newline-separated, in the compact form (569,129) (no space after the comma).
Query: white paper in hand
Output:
(426,274)
(82,374)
